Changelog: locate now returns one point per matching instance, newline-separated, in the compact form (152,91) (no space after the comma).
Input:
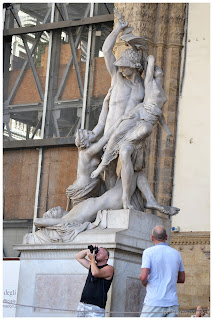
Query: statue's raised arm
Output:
(99,128)
(110,42)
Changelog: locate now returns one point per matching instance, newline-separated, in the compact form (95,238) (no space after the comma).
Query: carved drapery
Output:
(163,25)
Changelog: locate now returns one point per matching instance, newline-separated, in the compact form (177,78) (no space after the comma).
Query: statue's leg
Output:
(127,174)
(144,187)
(151,202)
(141,131)
(97,171)
(108,157)
(88,209)
(111,154)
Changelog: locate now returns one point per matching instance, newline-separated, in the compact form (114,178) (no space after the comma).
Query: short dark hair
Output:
(159,233)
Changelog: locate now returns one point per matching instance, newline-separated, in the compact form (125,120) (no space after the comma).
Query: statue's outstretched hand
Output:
(122,23)
(91,136)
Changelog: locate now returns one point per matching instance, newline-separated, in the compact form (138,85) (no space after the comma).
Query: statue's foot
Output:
(127,204)
(96,172)
(170,211)
(154,206)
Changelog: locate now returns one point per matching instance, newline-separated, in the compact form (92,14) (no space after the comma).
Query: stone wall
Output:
(195,251)
(192,156)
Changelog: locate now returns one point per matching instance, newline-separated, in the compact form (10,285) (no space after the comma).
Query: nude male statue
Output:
(127,90)
(133,131)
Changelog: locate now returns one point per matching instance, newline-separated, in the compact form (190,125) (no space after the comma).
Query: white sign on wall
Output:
(10,286)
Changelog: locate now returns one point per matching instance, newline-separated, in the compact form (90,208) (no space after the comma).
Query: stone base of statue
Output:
(51,280)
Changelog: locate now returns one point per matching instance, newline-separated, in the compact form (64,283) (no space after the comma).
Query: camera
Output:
(93,248)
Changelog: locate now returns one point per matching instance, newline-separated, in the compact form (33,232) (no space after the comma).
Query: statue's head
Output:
(130,59)
(82,139)
(56,212)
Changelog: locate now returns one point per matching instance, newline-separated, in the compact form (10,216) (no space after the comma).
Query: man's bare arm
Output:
(144,276)
(81,257)
(181,277)
(106,272)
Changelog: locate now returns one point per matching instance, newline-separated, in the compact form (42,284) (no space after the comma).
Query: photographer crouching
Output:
(94,295)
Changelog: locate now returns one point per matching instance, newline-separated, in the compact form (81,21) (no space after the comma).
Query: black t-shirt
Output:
(95,290)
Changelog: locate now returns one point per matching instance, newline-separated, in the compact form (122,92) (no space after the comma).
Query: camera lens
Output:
(91,248)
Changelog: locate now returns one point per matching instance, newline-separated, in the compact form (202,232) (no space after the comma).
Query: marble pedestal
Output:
(51,280)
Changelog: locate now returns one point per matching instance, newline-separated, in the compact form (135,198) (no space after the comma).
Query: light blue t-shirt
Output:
(164,263)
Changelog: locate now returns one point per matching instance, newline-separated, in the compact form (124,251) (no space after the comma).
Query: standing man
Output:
(94,295)
(127,90)
(161,270)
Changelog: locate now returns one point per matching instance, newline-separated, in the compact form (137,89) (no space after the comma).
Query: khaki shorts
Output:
(149,311)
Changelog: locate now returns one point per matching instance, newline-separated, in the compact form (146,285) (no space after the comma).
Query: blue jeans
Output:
(149,311)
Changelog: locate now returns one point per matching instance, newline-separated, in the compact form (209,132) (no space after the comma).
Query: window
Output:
(52,74)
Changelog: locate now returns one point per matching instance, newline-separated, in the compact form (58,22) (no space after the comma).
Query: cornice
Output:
(190,238)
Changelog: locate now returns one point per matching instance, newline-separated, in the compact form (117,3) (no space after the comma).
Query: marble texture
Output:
(58,292)
(135,296)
